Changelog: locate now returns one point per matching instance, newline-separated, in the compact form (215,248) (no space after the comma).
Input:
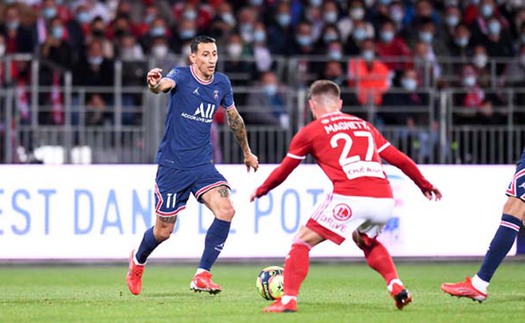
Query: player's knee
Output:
(362,240)
(225,213)
(515,207)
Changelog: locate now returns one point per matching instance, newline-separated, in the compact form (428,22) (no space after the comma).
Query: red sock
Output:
(379,259)
(296,268)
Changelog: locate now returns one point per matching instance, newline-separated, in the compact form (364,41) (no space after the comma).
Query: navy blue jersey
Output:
(192,103)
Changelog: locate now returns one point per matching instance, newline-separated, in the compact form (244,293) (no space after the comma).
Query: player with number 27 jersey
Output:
(352,160)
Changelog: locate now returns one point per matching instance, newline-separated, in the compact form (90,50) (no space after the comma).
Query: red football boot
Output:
(279,307)
(401,295)
(202,283)
(464,289)
(134,276)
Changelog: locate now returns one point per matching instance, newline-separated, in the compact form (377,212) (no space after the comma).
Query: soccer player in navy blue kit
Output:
(185,159)
(476,288)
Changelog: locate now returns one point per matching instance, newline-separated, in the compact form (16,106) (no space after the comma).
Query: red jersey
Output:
(349,150)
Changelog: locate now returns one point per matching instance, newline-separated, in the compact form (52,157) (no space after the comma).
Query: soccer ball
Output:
(270,283)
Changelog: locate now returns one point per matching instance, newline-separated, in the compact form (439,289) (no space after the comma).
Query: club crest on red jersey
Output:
(342,212)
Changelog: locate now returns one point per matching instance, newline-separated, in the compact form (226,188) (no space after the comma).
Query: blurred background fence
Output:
(63,123)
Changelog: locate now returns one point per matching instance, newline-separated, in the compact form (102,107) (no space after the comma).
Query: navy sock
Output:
(147,245)
(215,238)
(499,246)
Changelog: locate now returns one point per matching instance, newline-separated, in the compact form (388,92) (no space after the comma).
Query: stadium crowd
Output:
(389,53)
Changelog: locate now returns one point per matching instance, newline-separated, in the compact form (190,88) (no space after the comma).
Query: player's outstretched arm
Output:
(397,158)
(239,130)
(156,83)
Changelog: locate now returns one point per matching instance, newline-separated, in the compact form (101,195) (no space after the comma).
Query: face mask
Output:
(12,25)
(246,28)
(315,3)
(190,14)
(259,36)
(329,37)
(158,31)
(159,51)
(235,50)
(474,2)
(2,49)
(486,10)
(187,33)
(397,15)
(284,19)
(359,34)
(426,37)
(357,14)
(335,55)
(270,89)
(452,21)
(409,84)
(480,60)
(304,40)
(57,32)
(385,2)
(49,12)
(228,18)
(368,55)
(95,60)
(451,3)
(461,42)
(387,36)
(256,2)
(330,17)
(83,17)
(469,81)
(494,27)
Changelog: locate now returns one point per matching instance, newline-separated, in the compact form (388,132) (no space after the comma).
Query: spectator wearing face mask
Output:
(459,43)
(361,31)
(260,49)
(19,38)
(481,28)
(498,43)
(398,101)
(238,69)
(452,17)
(392,49)
(93,69)
(266,104)
(480,61)
(329,33)
(281,29)
(368,76)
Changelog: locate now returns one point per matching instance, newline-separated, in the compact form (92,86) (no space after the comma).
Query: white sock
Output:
(392,282)
(200,270)
(285,299)
(136,261)
(480,284)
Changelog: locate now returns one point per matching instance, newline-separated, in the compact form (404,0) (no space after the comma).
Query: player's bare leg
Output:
(219,202)
(476,288)
(152,238)
(296,267)
(379,259)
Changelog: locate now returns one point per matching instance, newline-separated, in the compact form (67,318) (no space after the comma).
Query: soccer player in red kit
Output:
(349,150)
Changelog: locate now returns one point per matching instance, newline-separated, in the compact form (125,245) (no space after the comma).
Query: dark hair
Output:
(324,87)
(194,46)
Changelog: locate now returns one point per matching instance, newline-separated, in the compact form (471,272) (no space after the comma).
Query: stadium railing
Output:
(127,126)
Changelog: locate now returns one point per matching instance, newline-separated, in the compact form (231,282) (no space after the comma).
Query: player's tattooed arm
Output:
(239,130)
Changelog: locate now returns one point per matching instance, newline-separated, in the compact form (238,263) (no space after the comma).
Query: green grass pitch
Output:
(348,292)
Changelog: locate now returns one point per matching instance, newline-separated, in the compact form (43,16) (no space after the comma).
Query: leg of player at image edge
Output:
(476,288)
(214,242)
(379,259)
(137,261)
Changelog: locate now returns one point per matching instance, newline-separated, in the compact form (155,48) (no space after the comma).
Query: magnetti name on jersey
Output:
(346,125)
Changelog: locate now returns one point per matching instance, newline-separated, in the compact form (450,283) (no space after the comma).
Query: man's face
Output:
(205,59)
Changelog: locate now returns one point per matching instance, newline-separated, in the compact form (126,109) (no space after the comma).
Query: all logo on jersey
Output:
(342,212)
(203,113)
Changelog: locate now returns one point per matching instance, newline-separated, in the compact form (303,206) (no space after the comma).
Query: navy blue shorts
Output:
(173,187)
(517,185)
